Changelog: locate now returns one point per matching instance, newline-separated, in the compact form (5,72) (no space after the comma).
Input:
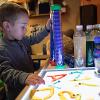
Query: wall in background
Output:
(95,2)
(2,1)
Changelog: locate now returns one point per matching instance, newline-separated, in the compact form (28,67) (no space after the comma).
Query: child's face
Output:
(17,31)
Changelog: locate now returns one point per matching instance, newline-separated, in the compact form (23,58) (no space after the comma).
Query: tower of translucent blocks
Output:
(56,44)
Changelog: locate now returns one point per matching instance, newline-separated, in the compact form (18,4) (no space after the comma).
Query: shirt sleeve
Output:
(8,74)
(36,37)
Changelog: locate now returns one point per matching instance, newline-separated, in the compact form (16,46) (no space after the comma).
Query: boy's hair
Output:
(10,11)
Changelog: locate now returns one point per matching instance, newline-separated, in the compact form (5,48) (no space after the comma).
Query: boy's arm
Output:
(8,74)
(13,77)
(36,38)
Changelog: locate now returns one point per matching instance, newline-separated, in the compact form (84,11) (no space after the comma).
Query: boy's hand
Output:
(48,24)
(34,79)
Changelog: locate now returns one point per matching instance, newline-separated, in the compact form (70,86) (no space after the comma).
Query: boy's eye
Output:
(23,27)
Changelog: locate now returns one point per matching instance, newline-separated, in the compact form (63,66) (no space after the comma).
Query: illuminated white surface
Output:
(66,84)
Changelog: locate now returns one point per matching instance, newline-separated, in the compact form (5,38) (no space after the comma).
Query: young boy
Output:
(16,65)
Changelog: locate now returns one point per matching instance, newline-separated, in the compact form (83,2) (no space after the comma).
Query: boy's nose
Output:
(24,30)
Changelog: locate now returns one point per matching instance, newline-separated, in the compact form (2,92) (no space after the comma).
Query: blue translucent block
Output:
(52,50)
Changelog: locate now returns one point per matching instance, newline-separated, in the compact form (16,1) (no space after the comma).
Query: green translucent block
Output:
(60,66)
(55,7)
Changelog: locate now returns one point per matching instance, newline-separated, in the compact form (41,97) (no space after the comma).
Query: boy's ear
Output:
(6,26)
